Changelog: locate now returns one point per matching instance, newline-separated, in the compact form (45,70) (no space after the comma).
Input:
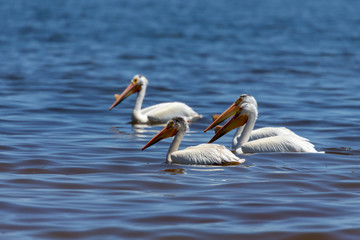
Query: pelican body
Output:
(245,119)
(156,114)
(203,154)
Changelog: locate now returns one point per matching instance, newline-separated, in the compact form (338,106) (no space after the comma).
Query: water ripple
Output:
(72,169)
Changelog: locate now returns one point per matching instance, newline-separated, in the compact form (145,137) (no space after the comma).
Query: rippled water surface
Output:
(71,169)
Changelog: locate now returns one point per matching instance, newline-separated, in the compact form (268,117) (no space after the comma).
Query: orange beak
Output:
(225,115)
(132,88)
(166,132)
(237,121)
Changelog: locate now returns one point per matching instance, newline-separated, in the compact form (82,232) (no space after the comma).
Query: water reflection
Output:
(138,130)
(174,171)
(64,157)
(342,151)
(144,130)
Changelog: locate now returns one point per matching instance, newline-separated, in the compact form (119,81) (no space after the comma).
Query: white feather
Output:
(283,143)
(205,154)
(162,112)
(271,132)
(159,113)
(282,140)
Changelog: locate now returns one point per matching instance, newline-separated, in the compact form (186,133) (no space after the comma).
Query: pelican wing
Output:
(161,113)
(272,131)
(205,154)
(284,143)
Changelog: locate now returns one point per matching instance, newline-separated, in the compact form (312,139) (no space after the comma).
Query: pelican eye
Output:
(171,123)
(135,81)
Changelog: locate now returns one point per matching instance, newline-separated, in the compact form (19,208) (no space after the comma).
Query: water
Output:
(70,169)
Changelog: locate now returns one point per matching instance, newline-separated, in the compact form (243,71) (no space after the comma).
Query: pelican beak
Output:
(237,121)
(132,88)
(166,132)
(225,115)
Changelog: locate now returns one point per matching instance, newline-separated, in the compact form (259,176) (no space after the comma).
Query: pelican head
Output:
(242,99)
(171,129)
(238,120)
(136,84)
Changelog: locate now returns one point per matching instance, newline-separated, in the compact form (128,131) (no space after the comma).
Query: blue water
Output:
(71,169)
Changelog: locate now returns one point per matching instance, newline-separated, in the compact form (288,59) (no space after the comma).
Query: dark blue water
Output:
(70,169)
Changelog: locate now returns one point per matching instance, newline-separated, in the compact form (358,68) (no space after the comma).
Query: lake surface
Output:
(72,169)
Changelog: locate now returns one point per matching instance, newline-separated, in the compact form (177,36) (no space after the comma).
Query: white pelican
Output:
(159,113)
(247,114)
(203,154)
(255,134)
